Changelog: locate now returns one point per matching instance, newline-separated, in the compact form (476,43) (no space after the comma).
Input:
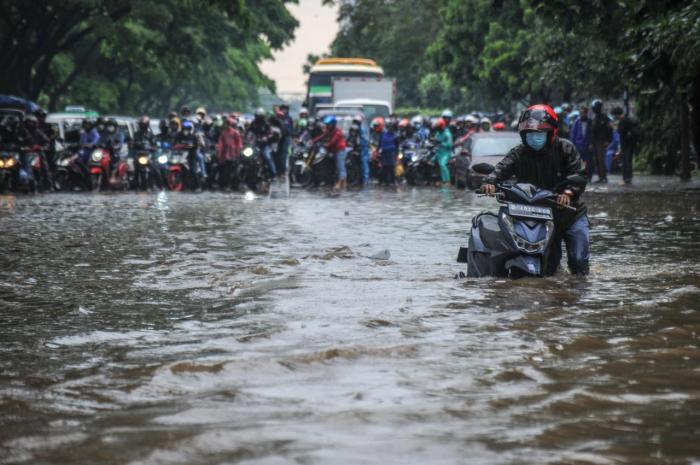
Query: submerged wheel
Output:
(175,181)
(354,173)
(96,182)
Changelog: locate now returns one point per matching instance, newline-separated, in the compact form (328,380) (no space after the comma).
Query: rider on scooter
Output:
(194,140)
(262,131)
(545,160)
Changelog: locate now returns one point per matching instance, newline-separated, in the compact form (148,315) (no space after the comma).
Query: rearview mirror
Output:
(483,168)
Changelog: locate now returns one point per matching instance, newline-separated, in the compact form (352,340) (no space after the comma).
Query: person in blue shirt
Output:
(581,137)
(612,150)
(421,132)
(388,150)
(89,136)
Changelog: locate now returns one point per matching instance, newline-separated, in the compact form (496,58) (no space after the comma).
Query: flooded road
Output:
(220,329)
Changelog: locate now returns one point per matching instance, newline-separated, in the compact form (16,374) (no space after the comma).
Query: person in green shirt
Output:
(443,137)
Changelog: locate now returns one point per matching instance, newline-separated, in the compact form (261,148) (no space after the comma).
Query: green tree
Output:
(128,56)
(395,33)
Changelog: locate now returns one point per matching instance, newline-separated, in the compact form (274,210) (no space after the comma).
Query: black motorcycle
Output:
(517,241)
(322,165)
(253,168)
(353,167)
(297,166)
(9,170)
(422,169)
(146,171)
(71,173)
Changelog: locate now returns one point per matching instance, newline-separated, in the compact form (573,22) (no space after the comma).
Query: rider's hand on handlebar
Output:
(488,189)
(564,200)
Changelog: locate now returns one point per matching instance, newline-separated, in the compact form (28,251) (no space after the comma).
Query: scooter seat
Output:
(490,231)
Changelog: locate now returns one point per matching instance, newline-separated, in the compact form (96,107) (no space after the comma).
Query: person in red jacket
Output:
(335,143)
(228,151)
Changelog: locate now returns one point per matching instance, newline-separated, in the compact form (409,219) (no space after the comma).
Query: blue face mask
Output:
(536,140)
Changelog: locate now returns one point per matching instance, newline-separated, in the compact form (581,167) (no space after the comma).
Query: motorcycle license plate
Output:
(530,211)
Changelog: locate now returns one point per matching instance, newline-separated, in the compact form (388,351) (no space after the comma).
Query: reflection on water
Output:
(216,328)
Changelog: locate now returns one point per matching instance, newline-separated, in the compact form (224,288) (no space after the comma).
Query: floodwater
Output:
(239,329)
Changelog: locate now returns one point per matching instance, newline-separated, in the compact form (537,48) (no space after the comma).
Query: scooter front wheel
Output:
(96,182)
(175,181)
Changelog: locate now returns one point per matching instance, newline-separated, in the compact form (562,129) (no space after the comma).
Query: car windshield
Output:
(491,146)
(372,111)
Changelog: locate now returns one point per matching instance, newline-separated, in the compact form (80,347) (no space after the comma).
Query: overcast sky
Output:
(316,31)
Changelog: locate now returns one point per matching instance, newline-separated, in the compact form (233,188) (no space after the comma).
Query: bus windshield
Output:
(322,75)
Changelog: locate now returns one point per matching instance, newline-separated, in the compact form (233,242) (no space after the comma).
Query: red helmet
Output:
(539,118)
(378,124)
(500,126)
(439,124)
(404,123)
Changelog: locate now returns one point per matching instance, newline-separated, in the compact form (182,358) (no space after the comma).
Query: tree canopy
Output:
(491,54)
(132,56)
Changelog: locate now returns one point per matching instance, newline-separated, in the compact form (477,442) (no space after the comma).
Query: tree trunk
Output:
(695,116)
(685,139)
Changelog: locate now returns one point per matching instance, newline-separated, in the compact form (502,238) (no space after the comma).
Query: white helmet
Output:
(446,114)
(417,121)
(485,120)
(303,111)
(260,112)
(471,119)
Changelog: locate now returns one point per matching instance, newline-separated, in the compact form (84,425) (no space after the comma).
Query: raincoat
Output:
(443,153)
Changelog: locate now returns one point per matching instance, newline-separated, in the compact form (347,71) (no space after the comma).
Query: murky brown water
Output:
(220,329)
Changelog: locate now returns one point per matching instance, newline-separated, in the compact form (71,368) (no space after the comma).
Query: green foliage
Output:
(492,54)
(394,33)
(133,57)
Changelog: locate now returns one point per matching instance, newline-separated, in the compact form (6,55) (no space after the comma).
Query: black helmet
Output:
(111,125)
(184,110)
(597,106)
(40,113)
(144,122)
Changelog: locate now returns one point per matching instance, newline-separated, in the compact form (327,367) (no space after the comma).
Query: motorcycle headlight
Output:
(306,155)
(400,156)
(248,152)
(2,163)
(163,159)
(414,158)
(96,156)
(143,160)
(10,162)
(64,162)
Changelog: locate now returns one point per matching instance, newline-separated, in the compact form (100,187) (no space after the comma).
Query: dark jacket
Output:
(601,130)
(629,133)
(546,170)
(144,139)
(262,131)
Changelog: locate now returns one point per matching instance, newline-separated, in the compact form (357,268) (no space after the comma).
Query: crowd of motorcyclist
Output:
(378,144)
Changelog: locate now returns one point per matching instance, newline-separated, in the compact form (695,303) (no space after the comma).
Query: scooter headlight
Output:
(414,158)
(400,156)
(64,162)
(10,162)
(248,152)
(163,159)
(143,160)
(522,243)
(96,156)
(2,163)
